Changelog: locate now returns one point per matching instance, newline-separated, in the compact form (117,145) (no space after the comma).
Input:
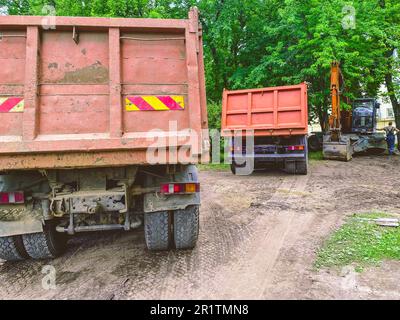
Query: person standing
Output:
(391,136)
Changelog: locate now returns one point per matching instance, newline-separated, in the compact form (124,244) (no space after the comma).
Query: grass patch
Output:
(360,243)
(315,155)
(214,167)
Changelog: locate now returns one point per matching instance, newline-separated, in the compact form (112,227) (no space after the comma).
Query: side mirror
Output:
(377,105)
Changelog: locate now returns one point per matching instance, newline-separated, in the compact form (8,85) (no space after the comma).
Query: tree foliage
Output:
(257,43)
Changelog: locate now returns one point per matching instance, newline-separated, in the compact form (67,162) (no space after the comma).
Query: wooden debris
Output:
(384,222)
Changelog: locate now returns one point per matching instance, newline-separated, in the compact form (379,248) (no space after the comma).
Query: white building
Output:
(385,112)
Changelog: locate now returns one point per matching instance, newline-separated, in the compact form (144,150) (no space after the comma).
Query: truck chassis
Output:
(40,209)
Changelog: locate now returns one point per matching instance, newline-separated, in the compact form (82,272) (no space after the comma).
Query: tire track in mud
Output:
(290,277)
(186,272)
(268,236)
(317,222)
(280,233)
(193,273)
(16,277)
(295,276)
(241,276)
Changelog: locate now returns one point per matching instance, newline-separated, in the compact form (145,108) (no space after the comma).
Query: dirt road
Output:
(258,239)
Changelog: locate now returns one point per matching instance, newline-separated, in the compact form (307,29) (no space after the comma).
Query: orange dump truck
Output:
(267,125)
(101,124)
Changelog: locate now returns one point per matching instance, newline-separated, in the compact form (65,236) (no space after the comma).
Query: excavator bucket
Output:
(337,150)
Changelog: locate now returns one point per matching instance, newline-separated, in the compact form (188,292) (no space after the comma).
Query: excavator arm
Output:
(334,120)
(336,146)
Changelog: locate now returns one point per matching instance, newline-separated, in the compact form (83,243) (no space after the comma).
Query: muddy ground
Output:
(258,240)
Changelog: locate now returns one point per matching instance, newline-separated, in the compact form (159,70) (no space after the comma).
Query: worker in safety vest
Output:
(391,136)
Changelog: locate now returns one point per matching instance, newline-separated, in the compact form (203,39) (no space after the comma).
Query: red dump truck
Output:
(101,124)
(267,125)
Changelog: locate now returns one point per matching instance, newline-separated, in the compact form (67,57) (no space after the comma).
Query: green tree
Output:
(16,7)
(305,37)
(390,37)
(257,43)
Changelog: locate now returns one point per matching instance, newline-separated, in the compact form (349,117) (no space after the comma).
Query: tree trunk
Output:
(393,99)
(395,102)
(323,118)
(323,115)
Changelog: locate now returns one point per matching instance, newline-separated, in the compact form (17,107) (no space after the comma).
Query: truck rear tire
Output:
(290,167)
(314,143)
(301,167)
(157,230)
(12,249)
(186,227)
(48,244)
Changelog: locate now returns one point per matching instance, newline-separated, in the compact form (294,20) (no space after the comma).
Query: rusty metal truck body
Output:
(101,123)
(267,125)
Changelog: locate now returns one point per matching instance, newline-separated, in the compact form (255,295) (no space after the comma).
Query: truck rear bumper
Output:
(270,157)
(86,160)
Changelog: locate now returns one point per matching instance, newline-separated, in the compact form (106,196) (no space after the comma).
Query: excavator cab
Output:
(364,115)
(366,139)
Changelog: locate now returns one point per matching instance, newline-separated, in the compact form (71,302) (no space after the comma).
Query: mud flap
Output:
(155,202)
(25,226)
(20,219)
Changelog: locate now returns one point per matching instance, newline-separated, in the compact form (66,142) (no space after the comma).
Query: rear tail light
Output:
(238,148)
(180,188)
(12,197)
(295,148)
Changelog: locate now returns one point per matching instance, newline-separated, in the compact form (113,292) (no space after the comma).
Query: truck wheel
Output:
(157,230)
(186,227)
(290,167)
(314,144)
(12,249)
(301,167)
(45,245)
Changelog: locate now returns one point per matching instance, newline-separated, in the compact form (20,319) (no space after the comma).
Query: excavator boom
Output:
(334,119)
(335,145)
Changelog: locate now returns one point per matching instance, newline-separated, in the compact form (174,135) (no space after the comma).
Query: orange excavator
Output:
(356,133)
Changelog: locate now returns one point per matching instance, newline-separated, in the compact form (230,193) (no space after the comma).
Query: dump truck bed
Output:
(98,92)
(268,111)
